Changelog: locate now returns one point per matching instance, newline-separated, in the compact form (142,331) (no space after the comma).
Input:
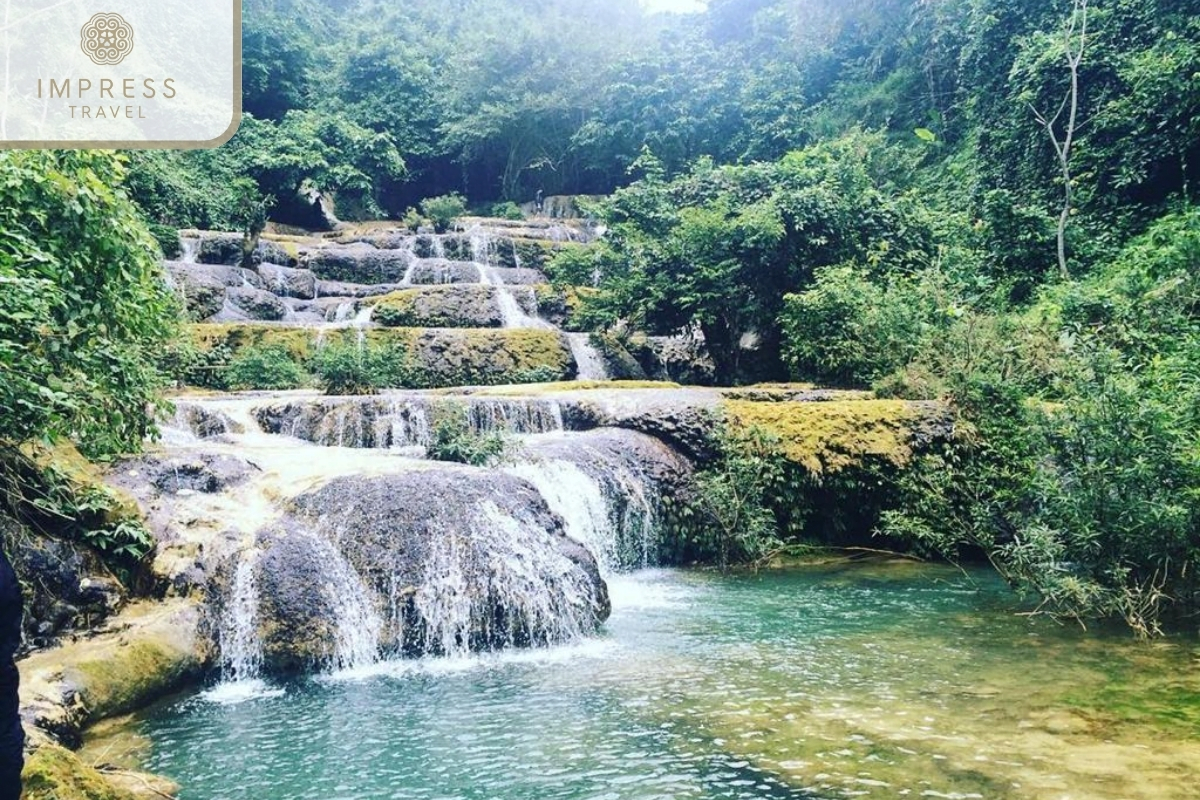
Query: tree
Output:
(1075,43)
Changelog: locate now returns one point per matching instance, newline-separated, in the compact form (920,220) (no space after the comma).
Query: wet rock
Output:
(613,487)
(358,263)
(439,270)
(63,581)
(288,282)
(203,422)
(270,252)
(448,560)
(521,276)
(203,287)
(147,651)
(164,484)
(461,306)
(257,304)
(398,421)
(219,248)
(682,359)
(329,290)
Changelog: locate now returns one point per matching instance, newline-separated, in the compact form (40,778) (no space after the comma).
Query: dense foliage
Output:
(85,313)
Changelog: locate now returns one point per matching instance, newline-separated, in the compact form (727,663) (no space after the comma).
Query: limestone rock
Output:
(256,304)
(450,558)
(288,282)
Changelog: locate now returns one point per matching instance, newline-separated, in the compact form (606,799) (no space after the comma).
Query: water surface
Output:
(893,680)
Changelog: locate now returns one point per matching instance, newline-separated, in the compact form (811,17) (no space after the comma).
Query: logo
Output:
(106,39)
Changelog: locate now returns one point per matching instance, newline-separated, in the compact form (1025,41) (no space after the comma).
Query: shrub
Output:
(505,210)
(345,368)
(362,367)
(732,497)
(269,366)
(167,237)
(84,307)
(444,209)
(849,330)
(455,440)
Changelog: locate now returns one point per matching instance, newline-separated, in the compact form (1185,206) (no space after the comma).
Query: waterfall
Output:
(510,310)
(189,247)
(356,623)
(241,648)
(544,599)
(401,422)
(603,491)
(588,361)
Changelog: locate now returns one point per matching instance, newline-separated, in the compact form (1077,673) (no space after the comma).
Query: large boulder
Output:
(257,304)
(358,263)
(288,282)
(203,287)
(443,560)
(452,306)
(440,270)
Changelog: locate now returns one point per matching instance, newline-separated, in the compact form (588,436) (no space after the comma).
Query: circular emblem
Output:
(106,38)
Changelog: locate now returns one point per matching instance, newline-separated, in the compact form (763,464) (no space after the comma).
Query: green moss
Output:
(831,436)
(449,306)
(55,773)
(236,335)
(442,356)
(574,386)
(127,677)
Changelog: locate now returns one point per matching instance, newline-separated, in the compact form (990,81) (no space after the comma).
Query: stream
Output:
(890,679)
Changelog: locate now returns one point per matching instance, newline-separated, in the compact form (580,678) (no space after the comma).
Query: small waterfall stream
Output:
(590,364)
(241,647)
(355,620)
(511,312)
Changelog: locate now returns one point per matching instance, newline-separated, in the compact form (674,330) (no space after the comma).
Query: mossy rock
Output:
(453,306)
(150,650)
(826,437)
(55,773)
(454,357)
(441,356)
(236,335)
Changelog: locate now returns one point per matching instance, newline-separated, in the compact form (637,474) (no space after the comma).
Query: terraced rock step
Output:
(313,288)
(440,356)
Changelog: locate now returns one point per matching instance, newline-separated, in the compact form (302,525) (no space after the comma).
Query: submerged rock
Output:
(444,560)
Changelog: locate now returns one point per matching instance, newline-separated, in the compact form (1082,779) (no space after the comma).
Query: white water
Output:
(356,623)
(588,361)
(189,247)
(510,310)
(614,518)
(241,648)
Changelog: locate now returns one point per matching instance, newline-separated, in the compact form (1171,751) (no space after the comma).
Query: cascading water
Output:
(541,597)
(356,622)
(510,310)
(399,422)
(189,247)
(241,647)
(600,484)
(590,365)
